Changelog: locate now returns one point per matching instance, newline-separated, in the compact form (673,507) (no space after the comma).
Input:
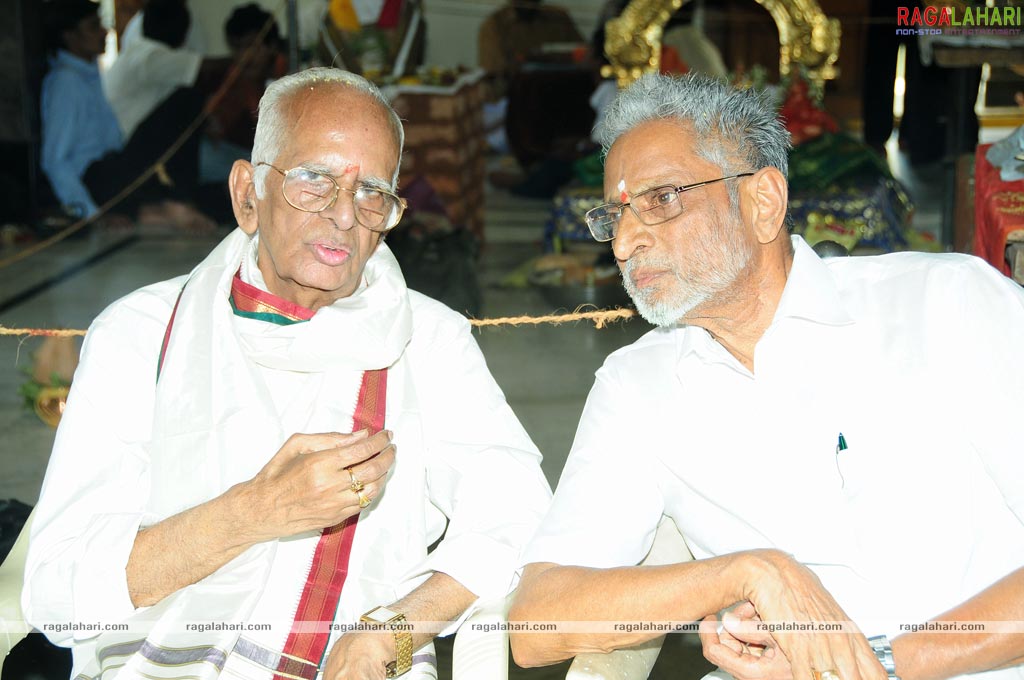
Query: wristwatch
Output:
(403,638)
(883,650)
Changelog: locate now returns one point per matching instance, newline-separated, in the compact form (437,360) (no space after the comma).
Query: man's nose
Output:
(343,212)
(631,236)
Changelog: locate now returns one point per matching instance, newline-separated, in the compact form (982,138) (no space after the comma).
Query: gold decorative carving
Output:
(807,38)
(633,39)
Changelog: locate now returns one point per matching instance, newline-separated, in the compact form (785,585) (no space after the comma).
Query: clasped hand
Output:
(360,656)
(308,484)
(786,591)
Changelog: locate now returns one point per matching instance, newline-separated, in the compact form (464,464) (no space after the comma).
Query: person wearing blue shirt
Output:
(85,154)
(79,127)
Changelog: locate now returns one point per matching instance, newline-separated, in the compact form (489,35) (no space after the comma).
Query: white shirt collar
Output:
(810,293)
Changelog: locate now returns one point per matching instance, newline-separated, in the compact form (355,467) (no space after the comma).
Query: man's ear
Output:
(769,194)
(242,185)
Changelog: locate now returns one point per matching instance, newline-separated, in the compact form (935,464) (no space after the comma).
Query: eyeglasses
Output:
(311,191)
(651,207)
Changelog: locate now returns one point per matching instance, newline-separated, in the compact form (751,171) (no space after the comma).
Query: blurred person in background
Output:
(153,88)
(232,124)
(515,32)
(85,154)
(194,40)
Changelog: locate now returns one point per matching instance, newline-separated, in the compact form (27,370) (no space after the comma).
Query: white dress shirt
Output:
(914,358)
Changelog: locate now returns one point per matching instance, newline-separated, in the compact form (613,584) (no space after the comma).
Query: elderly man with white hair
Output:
(256,457)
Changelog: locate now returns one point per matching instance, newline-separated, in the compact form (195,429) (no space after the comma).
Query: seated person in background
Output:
(148,70)
(152,86)
(232,123)
(837,440)
(78,125)
(83,150)
(266,62)
(514,32)
(544,145)
(278,437)
(194,40)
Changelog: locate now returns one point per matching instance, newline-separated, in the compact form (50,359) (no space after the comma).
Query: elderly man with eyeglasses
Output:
(838,441)
(256,457)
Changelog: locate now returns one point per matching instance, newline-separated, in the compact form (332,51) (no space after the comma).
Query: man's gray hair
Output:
(738,130)
(272,125)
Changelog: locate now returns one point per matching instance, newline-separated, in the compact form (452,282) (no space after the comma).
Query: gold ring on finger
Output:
(354,482)
(831,674)
(364,500)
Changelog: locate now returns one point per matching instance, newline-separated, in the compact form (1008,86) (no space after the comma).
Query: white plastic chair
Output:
(635,663)
(12,574)
(479,653)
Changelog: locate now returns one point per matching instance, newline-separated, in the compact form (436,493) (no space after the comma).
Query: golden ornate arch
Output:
(806,37)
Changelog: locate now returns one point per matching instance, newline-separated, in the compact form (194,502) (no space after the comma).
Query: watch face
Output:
(381,615)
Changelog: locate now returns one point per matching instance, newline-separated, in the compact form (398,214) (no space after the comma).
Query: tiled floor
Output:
(545,372)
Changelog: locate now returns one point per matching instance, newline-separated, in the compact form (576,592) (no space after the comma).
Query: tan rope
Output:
(49,332)
(158,166)
(600,317)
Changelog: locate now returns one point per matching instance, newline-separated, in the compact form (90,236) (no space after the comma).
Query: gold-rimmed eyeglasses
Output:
(310,191)
(651,207)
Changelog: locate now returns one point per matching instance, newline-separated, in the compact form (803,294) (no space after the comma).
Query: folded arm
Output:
(777,584)
(677,592)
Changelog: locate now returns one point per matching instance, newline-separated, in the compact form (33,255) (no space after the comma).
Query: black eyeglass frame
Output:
(399,201)
(639,213)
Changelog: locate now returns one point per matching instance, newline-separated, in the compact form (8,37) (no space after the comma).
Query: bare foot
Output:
(117,224)
(186,218)
(175,216)
(154,216)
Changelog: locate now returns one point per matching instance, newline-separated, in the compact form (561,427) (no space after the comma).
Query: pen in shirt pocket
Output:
(840,447)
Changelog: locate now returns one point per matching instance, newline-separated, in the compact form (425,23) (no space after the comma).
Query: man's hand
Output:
(306,486)
(741,649)
(783,590)
(360,656)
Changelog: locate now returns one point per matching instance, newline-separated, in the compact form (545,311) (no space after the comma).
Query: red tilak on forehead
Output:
(623,196)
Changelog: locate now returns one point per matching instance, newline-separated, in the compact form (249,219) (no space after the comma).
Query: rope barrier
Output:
(46,332)
(158,166)
(600,317)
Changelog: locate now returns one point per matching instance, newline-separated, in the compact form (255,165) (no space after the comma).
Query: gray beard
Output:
(672,306)
(667,308)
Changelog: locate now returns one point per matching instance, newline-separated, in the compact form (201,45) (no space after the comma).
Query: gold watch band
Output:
(403,648)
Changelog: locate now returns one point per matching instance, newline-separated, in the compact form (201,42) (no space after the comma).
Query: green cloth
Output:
(834,159)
